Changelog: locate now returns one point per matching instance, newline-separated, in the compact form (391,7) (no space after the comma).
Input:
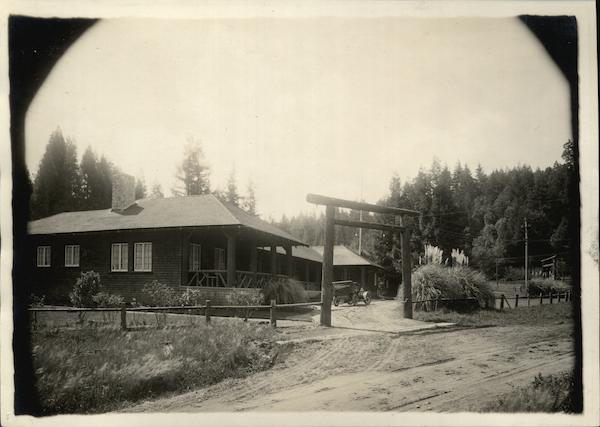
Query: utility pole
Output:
(526,259)
(360,235)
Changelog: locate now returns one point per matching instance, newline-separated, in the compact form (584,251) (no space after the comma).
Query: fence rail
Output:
(534,299)
(207,307)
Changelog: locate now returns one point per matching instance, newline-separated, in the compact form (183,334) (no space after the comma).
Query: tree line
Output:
(478,213)
(62,184)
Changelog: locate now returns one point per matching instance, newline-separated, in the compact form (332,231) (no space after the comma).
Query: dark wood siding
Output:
(56,281)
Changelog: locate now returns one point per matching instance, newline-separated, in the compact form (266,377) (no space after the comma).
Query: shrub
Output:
(104,299)
(545,286)
(87,285)
(191,297)
(286,291)
(434,281)
(245,298)
(160,295)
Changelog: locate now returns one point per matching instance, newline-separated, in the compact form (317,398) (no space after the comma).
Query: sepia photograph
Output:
(357,213)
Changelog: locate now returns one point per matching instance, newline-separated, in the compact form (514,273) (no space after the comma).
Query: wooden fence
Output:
(207,308)
(432,304)
(530,300)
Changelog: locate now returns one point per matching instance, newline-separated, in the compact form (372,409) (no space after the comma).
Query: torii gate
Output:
(330,220)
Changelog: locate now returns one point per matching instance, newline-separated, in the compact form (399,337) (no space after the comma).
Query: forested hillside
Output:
(480,213)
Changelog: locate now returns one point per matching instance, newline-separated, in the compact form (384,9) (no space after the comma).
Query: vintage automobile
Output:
(349,292)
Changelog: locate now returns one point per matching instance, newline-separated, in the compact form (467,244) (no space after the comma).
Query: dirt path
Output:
(440,370)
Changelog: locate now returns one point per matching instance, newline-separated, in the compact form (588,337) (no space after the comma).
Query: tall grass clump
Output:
(95,370)
(287,291)
(545,286)
(435,281)
(551,393)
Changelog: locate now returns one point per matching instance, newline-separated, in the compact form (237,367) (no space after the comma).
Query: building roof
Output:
(303,252)
(345,256)
(171,212)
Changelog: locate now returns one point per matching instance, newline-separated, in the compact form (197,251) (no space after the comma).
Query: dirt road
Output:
(430,370)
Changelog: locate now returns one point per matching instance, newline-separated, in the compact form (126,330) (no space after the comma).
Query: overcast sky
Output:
(333,106)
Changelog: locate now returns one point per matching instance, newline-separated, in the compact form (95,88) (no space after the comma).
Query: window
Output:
(194,257)
(219,259)
(43,256)
(118,257)
(71,255)
(143,257)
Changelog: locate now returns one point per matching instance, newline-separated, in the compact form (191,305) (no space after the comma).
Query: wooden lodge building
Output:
(349,265)
(192,241)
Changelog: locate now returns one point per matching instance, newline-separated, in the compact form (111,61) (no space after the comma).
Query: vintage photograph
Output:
(296,214)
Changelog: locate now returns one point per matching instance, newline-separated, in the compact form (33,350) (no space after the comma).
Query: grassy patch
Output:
(92,370)
(542,314)
(552,393)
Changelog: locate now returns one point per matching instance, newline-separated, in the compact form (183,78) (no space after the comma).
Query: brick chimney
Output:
(123,191)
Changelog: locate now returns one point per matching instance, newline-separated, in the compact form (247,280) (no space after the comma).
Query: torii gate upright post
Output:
(331,221)
(327,272)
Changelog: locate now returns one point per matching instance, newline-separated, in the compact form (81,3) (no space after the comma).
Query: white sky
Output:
(330,105)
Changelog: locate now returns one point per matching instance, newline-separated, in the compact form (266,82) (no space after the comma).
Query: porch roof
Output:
(172,212)
(343,255)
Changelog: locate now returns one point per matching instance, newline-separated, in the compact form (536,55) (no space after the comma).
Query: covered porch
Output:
(234,257)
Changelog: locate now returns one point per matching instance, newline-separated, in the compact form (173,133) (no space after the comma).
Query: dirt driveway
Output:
(459,369)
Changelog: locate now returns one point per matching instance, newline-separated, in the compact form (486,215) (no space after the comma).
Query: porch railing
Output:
(245,279)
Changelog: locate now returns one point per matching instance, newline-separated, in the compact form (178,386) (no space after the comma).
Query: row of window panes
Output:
(71,256)
(119,256)
(142,257)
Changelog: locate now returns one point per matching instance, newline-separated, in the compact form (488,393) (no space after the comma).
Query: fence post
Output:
(516,300)
(558,299)
(502,302)
(273,314)
(541,298)
(528,300)
(551,297)
(207,311)
(123,317)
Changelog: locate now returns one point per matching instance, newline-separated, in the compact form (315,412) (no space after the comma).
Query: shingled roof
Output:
(171,212)
(345,256)
(302,252)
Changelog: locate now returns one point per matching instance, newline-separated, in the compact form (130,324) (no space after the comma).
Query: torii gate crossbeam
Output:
(330,221)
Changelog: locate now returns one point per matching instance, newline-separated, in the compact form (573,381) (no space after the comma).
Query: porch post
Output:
(185,257)
(289,261)
(273,260)
(406,272)
(231,267)
(363,276)
(253,259)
